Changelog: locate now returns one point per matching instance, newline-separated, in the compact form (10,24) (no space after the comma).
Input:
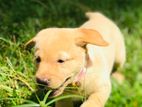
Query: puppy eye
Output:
(60,61)
(38,60)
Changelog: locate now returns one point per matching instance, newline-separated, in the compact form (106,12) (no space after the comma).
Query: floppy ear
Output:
(89,36)
(30,44)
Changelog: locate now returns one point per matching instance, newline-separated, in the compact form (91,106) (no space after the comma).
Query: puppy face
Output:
(60,54)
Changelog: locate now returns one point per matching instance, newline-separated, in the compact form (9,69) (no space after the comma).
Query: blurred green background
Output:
(20,20)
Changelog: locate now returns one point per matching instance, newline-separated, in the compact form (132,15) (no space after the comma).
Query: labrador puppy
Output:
(84,55)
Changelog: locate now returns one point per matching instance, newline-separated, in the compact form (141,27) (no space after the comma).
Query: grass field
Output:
(20,20)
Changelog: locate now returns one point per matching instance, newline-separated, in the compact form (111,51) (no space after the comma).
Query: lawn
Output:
(20,20)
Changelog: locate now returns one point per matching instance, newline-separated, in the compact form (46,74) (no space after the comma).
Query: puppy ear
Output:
(89,36)
(30,44)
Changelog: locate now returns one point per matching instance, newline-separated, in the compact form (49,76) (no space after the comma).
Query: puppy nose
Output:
(42,82)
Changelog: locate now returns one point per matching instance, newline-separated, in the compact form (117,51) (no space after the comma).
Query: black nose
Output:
(41,82)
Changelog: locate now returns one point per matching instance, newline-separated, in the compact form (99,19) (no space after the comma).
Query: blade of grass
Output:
(64,97)
(7,41)
(46,96)
(28,105)
(8,89)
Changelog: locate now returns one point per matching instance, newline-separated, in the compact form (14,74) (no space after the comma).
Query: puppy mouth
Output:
(60,89)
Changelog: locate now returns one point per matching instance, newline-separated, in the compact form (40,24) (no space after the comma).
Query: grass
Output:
(21,20)
(44,103)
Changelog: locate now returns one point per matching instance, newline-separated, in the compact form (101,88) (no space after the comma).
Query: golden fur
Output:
(97,45)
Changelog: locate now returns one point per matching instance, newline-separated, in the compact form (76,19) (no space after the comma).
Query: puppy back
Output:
(92,15)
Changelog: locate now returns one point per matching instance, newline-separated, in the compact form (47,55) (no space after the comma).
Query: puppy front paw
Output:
(90,103)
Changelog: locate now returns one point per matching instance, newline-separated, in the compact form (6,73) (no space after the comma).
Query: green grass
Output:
(20,20)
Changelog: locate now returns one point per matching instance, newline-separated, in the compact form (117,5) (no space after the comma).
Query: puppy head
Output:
(60,54)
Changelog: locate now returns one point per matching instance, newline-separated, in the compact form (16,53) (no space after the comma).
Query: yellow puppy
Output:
(85,55)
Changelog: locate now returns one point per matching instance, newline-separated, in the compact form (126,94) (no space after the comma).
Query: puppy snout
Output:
(42,82)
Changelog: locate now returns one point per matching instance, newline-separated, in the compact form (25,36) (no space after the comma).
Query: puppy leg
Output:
(120,55)
(119,77)
(99,98)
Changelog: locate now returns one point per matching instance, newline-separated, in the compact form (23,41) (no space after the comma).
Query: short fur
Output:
(96,46)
